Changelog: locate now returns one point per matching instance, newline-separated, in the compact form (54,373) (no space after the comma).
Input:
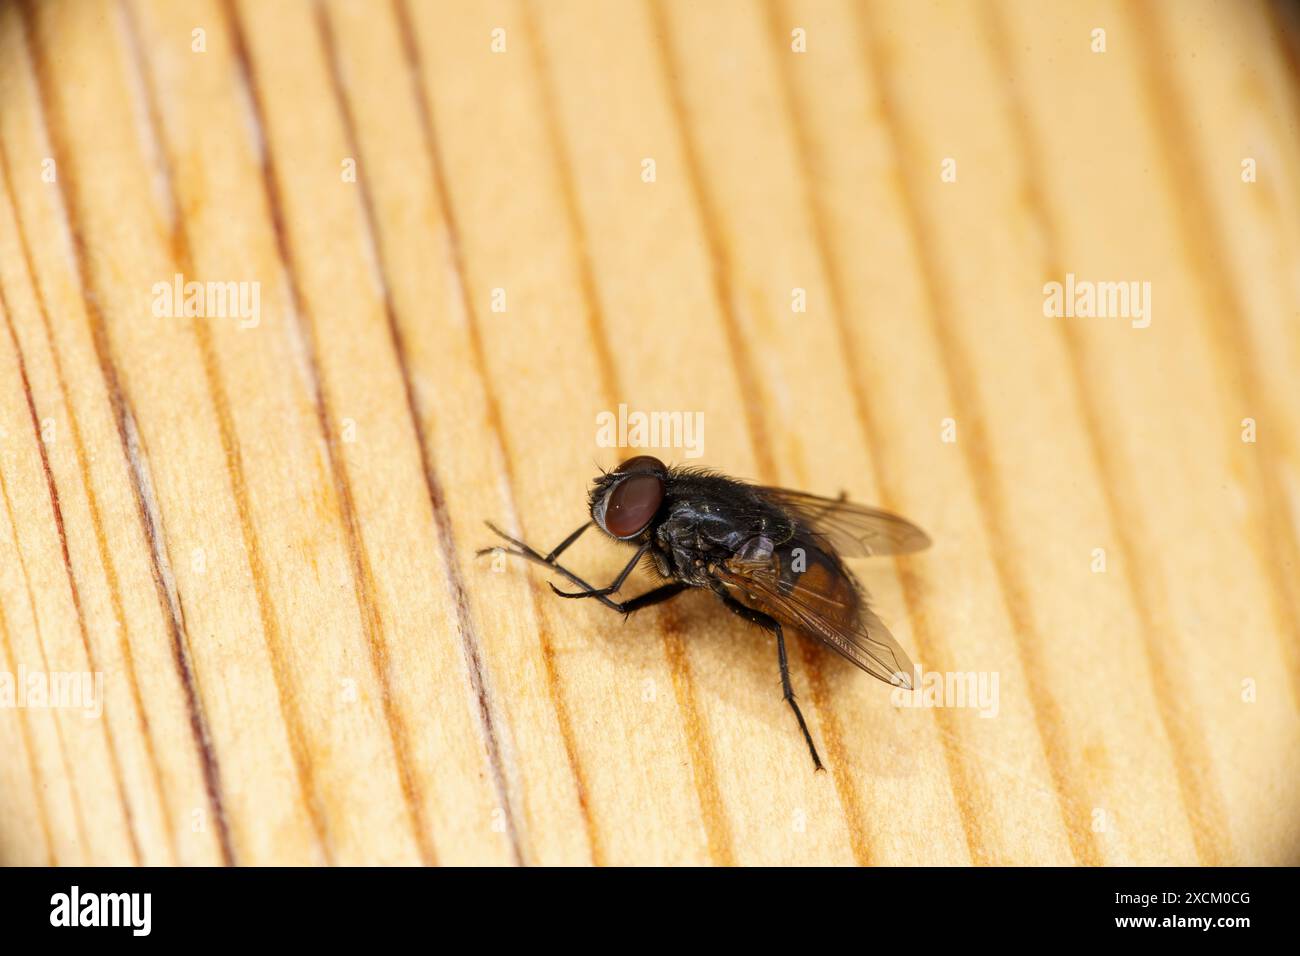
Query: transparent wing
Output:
(825,604)
(851,529)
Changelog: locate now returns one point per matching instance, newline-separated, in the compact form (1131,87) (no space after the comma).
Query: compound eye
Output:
(641,463)
(632,505)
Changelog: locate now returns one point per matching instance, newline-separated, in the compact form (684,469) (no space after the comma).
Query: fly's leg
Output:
(767,622)
(611,588)
(522,550)
(653,596)
(530,553)
(559,548)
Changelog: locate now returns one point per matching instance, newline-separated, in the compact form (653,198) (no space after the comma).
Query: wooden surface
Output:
(263,538)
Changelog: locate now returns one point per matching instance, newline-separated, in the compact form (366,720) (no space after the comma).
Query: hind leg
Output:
(767,622)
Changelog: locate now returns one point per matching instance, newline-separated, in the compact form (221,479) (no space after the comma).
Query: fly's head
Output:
(625,501)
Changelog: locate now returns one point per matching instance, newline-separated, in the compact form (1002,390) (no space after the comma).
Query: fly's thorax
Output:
(688,545)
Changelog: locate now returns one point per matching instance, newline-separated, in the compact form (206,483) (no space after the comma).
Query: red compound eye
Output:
(632,504)
(641,463)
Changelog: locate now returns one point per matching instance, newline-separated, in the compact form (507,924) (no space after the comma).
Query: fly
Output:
(773,556)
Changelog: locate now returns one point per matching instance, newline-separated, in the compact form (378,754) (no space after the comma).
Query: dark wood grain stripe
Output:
(56,509)
(363,574)
(376,638)
(1201,229)
(1177,711)
(49,107)
(92,498)
(39,785)
(980,465)
(753,403)
(82,833)
(1284,22)
(856,816)
(703,765)
(433,484)
(972,824)
(496,425)
(456,578)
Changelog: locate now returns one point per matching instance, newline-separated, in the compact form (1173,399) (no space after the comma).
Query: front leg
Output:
(653,596)
(560,548)
(610,588)
(524,551)
(527,552)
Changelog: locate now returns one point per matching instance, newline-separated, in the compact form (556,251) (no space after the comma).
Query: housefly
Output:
(773,556)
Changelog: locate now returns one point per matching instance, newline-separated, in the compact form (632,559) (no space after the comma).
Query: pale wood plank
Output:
(265,537)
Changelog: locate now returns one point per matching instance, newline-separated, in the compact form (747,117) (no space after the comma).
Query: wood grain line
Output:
(703,765)
(752,398)
(720,268)
(972,825)
(38,784)
(91,658)
(45,665)
(980,464)
(1201,797)
(362,573)
(1273,539)
(1284,19)
(446,540)
(495,421)
(92,498)
(605,366)
(136,466)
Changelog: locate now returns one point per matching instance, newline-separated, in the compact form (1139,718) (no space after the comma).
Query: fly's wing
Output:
(851,529)
(808,589)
